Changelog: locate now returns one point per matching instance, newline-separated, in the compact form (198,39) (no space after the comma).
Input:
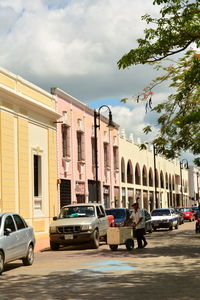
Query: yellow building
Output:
(28,170)
(157,182)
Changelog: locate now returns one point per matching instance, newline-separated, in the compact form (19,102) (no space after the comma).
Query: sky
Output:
(75,45)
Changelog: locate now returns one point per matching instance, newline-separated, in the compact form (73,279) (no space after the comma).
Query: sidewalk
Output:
(42,242)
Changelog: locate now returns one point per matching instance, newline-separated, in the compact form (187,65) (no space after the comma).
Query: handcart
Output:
(120,236)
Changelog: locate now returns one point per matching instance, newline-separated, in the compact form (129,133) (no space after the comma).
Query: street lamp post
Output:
(183,165)
(97,125)
(155,179)
(197,198)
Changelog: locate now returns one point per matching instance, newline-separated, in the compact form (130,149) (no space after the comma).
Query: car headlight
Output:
(53,229)
(86,227)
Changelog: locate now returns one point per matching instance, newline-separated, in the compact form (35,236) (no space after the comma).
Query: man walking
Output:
(139,225)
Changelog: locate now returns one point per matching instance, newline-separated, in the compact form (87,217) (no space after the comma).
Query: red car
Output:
(187,212)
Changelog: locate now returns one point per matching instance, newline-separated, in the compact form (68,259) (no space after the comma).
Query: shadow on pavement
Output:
(87,286)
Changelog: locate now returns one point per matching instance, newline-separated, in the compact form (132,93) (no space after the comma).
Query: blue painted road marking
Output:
(109,266)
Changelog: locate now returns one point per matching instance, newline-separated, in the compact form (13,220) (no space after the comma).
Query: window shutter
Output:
(64,141)
(68,141)
(82,146)
(116,157)
(108,155)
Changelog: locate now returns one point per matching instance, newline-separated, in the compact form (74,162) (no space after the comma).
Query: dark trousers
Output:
(139,234)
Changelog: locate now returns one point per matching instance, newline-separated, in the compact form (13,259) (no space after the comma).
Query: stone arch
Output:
(161,180)
(122,170)
(170,182)
(173,183)
(144,176)
(137,174)
(150,177)
(129,172)
(166,181)
(156,178)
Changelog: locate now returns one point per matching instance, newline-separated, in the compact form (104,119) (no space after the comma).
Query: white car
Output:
(164,218)
(17,240)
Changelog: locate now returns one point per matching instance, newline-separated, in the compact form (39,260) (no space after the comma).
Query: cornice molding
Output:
(27,102)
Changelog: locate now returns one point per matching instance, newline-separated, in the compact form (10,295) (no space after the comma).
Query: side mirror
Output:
(55,218)
(101,216)
(7,231)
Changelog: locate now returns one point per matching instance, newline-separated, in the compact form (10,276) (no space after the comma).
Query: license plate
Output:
(68,236)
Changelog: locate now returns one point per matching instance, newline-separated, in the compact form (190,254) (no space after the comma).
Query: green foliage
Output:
(197,161)
(176,29)
(179,116)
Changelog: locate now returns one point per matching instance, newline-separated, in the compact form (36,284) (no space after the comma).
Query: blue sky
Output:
(75,45)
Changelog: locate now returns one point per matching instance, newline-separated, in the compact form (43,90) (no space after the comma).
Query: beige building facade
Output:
(28,181)
(157,181)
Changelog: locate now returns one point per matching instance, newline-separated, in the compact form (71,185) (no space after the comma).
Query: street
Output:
(168,268)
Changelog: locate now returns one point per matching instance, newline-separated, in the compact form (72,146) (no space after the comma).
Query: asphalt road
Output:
(168,268)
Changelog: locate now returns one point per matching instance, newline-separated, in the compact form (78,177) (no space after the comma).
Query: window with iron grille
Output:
(65,140)
(93,150)
(37,175)
(116,158)
(106,155)
(80,146)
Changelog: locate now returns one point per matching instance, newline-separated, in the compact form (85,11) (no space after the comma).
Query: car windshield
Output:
(185,209)
(77,211)
(195,208)
(116,213)
(160,212)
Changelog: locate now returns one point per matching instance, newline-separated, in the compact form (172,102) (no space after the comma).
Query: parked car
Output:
(147,217)
(164,218)
(195,209)
(17,240)
(121,215)
(188,213)
(180,216)
(78,224)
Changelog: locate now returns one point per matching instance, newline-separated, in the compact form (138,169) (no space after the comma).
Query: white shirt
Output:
(135,216)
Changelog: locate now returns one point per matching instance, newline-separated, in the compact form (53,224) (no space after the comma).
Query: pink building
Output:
(76,155)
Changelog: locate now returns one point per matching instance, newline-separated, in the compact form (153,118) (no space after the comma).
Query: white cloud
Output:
(65,43)
(133,121)
(134,117)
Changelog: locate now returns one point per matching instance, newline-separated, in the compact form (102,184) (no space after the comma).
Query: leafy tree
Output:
(179,116)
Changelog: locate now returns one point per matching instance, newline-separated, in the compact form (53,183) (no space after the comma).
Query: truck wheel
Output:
(105,238)
(113,247)
(95,239)
(1,262)
(176,227)
(54,246)
(129,244)
(171,227)
(150,229)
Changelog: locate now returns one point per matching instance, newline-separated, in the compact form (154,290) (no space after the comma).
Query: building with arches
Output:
(157,182)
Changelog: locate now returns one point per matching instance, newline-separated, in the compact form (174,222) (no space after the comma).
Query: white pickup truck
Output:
(79,223)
